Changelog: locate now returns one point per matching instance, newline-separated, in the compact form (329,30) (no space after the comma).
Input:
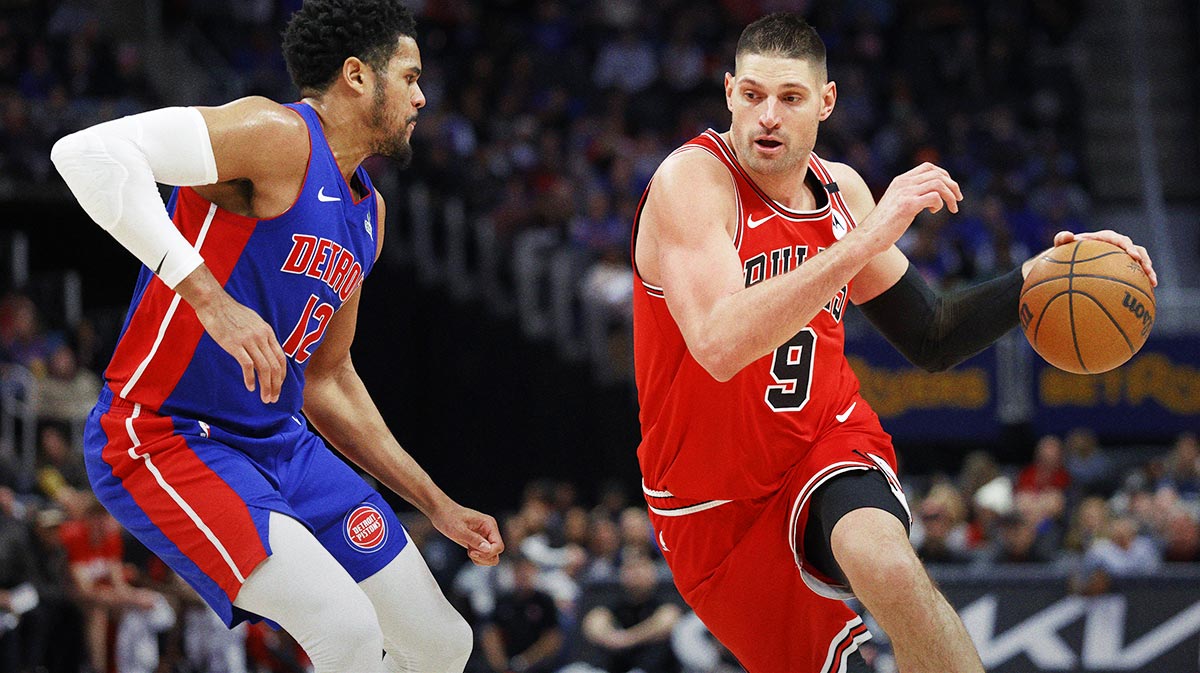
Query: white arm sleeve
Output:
(111,169)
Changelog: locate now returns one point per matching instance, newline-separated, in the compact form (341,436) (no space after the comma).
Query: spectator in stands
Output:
(1090,521)
(633,630)
(61,476)
(68,392)
(56,641)
(1019,542)
(637,535)
(1181,542)
(523,632)
(18,585)
(95,553)
(1047,472)
(21,339)
(604,552)
(1123,553)
(1090,469)
(1181,470)
(991,501)
(978,468)
(944,533)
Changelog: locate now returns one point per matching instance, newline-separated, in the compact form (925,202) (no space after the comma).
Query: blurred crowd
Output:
(545,121)
(61,69)
(583,587)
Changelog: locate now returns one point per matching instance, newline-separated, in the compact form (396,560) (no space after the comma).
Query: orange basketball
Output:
(1087,307)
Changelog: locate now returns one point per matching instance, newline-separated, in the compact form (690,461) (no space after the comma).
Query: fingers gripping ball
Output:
(1087,307)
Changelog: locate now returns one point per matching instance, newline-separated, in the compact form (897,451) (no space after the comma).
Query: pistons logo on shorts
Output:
(366,529)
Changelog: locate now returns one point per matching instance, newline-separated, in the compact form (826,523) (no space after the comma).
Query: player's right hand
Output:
(239,331)
(926,187)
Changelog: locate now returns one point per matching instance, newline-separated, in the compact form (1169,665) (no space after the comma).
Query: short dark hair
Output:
(784,34)
(324,33)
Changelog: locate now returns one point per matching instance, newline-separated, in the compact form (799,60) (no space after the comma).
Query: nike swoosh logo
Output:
(661,542)
(158,268)
(752,223)
(841,418)
(321,196)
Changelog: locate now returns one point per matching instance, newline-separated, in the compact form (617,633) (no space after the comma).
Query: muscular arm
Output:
(935,330)
(685,246)
(112,169)
(339,406)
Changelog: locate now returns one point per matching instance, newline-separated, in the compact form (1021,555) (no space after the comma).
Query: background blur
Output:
(1059,512)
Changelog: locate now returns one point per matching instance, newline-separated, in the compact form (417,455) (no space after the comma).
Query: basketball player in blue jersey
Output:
(242,318)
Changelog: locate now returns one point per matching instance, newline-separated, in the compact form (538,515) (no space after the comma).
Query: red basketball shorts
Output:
(737,564)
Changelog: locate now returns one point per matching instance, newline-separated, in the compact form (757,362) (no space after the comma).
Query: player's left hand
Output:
(1137,252)
(476,531)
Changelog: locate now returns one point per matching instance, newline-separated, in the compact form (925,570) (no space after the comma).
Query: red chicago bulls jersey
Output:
(707,440)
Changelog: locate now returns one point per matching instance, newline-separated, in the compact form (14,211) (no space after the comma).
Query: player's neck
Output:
(788,188)
(343,134)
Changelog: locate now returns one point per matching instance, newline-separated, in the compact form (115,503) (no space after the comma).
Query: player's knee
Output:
(895,571)
(873,551)
(355,630)
(456,641)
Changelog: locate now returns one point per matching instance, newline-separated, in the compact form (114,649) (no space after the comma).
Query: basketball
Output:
(1087,307)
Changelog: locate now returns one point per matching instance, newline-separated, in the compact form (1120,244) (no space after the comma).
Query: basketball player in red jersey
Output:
(238,338)
(771,485)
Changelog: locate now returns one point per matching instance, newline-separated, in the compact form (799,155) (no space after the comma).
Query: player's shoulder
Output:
(260,119)
(844,175)
(690,172)
(851,185)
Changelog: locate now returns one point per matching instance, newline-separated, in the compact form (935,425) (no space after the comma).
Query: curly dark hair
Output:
(784,34)
(324,33)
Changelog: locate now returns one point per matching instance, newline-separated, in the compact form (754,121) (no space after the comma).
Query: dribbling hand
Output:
(1137,252)
(926,187)
(475,531)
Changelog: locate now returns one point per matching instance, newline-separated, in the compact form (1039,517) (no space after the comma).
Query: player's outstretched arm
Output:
(685,246)
(937,330)
(337,403)
(112,169)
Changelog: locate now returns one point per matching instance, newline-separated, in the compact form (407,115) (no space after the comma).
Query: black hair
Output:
(324,33)
(784,34)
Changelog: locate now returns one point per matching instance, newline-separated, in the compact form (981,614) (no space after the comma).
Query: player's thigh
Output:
(421,629)
(346,515)
(872,549)
(200,505)
(758,606)
(866,513)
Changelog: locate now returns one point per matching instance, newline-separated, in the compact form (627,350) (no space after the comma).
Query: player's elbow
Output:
(720,360)
(933,361)
(92,168)
(933,365)
(68,151)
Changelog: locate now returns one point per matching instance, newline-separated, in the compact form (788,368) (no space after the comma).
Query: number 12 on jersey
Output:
(792,368)
(301,339)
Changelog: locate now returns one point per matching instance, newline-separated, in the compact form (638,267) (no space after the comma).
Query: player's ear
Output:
(828,99)
(729,91)
(354,72)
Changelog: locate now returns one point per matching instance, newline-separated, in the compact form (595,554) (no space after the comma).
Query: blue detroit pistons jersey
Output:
(294,270)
